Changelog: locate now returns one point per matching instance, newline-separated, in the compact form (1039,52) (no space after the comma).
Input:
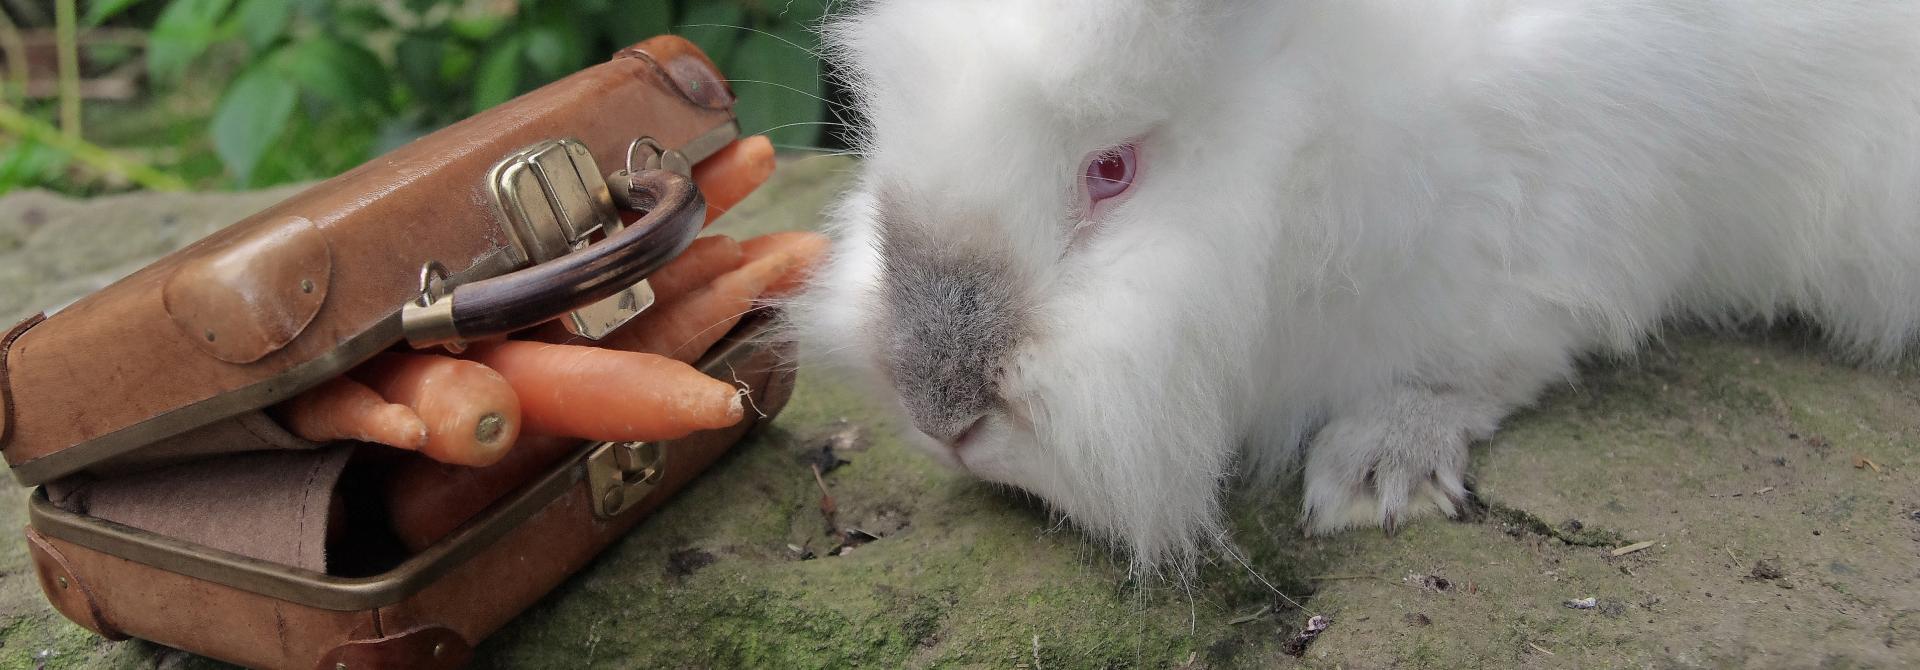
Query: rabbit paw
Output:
(1396,460)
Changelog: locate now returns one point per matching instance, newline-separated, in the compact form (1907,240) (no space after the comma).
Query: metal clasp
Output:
(657,158)
(620,474)
(556,202)
(428,319)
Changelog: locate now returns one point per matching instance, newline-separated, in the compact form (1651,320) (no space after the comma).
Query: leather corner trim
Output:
(6,390)
(693,75)
(424,647)
(66,591)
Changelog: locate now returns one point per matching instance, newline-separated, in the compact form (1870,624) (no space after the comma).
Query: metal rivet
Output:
(340,666)
(209,334)
(306,286)
(439,650)
(61,580)
(612,499)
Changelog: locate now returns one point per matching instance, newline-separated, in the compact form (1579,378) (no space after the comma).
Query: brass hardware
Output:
(711,142)
(556,201)
(554,198)
(428,320)
(657,158)
(597,320)
(62,581)
(620,474)
(340,666)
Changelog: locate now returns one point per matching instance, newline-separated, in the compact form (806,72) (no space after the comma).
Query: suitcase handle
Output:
(533,295)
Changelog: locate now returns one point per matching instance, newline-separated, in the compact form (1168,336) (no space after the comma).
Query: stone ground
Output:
(1779,489)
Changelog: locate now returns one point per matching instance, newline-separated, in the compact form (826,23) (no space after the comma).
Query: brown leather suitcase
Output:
(553,205)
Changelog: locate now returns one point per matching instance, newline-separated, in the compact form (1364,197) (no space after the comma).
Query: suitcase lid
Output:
(304,290)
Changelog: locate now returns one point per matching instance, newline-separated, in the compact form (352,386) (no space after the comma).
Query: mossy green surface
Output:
(1723,450)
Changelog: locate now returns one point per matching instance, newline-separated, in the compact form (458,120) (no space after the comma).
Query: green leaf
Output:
(457,63)
(251,116)
(498,78)
(631,22)
(779,87)
(360,19)
(481,27)
(341,72)
(554,50)
(99,11)
(262,21)
(30,164)
(712,26)
(184,31)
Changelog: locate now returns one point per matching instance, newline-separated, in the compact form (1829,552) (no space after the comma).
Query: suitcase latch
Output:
(557,201)
(620,474)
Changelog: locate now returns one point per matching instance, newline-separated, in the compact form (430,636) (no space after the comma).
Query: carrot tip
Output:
(490,428)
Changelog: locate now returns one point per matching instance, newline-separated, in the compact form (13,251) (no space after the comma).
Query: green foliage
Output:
(26,162)
(252,115)
(314,87)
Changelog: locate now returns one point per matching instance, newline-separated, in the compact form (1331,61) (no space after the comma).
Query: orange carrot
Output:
(684,329)
(729,175)
(702,262)
(707,258)
(806,249)
(610,395)
(343,409)
(472,414)
(426,500)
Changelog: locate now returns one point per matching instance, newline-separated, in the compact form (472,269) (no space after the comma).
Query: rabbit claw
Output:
(1386,468)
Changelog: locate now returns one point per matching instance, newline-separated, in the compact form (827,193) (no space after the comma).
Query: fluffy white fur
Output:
(1368,228)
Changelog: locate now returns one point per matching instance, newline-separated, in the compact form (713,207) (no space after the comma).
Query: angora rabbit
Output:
(1121,253)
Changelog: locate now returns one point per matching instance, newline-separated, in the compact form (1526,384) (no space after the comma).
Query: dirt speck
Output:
(1819,444)
(688,561)
(1766,569)
(1418,619)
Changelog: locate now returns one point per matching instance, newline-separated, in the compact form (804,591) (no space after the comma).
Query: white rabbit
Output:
(1123,254)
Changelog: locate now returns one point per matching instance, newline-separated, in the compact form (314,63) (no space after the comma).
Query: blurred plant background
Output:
(110,95)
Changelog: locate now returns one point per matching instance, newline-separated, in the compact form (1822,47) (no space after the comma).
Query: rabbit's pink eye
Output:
(1110,172)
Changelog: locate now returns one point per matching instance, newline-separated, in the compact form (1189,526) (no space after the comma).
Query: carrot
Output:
(806,248)
(343,409)
(610,395)
(729,175)
(472,414)
(427,500)
(702,262)
(684,329)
